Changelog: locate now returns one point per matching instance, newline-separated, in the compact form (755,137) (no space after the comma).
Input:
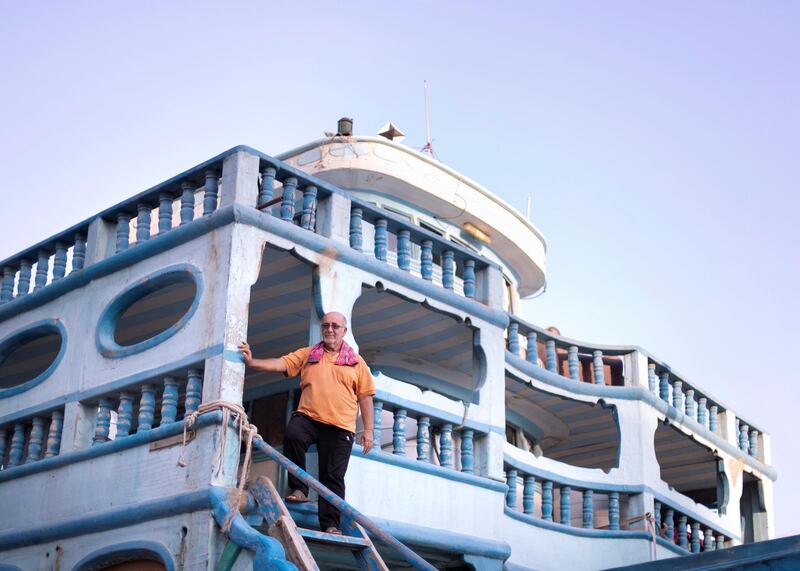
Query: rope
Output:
(249,431)
(650,524)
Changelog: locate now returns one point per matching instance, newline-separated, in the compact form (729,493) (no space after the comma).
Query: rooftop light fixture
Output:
(344,127)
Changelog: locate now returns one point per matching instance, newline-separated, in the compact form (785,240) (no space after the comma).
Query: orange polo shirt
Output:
(329,392)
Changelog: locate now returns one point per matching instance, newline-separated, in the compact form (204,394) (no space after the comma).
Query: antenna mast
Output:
(428,148)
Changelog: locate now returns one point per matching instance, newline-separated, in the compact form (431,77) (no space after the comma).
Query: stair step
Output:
(354,543)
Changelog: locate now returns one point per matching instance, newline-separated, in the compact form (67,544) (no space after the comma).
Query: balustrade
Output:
(32,439)
(690,535)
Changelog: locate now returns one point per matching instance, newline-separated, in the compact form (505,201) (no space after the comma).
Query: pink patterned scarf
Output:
(346,354)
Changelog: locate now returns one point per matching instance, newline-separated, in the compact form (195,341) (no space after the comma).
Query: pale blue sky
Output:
(658,142)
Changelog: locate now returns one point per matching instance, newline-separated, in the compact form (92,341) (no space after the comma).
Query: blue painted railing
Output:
(678,528)
(31,439)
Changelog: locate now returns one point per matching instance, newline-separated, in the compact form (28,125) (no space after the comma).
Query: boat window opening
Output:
(463,243)
(431,228)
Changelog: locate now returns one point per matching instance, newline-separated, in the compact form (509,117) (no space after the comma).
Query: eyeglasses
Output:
(334,326)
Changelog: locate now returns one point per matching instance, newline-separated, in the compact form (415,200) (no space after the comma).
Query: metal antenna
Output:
(428,148)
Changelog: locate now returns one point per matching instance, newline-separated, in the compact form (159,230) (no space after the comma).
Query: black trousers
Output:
(334,445)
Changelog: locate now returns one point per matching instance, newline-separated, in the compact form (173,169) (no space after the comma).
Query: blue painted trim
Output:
(24,334)
(583,532)
(430,469)
(126,550)
(114,386)
(109,319)
(4,567)
(435,413)
(106,448)
(419,536)
(633,393)
(232,356)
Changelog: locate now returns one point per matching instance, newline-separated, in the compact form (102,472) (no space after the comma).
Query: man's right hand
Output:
(247,354)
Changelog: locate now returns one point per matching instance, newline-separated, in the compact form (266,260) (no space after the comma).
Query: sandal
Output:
(296,497)
(334,530)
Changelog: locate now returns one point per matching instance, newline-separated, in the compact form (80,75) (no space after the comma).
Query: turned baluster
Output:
(381,239)
(60,261)
(652,380)
(702,411)
(287,199)
(308,217)
(42,267)
(210,192)
(550,356)
(597,363)
(399,432)
(754,442)
(54,434)
(695,537)
(17,445)
(720,542)
(267,186)
(187,202)
(426,260)
(574,364)
(35,440)
(123,232)
(423,438)
(124,414)
(613,511)
(683,540)
(143,219)
(657,515)
(588,509)
(469,278)
(691,405)
(663,386)
(448,269)
(513,338)
(713,426)
(79,252)
(169,401)
(467,452)
(528,492)
(164,212)
(511,495)
(446,445)
(531,353)
(708,540)
(7,291)
(404,250)
(744,438)
(356,233)
(547,500)
(565,515)
(677,394)
(24,281)
(147,408)
(194,390)
(102,424)
(377,422)
(670,520)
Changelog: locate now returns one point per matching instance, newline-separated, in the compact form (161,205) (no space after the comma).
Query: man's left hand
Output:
(366,441)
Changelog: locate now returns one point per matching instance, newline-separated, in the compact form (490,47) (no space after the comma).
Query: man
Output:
(333,379)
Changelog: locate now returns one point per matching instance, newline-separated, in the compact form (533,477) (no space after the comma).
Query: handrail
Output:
(346,509)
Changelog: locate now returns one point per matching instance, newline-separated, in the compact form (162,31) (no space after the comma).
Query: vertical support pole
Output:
(588,509)
(683,540)
(754,443)
(79,252)
(35,440)
(17,445)
(210,192)
(469,278)
(426,260)
(708,540)
(377,422)
(613,511)
(399,432)
(53,434)
(423,438)
(695,537)
(663,386)
(143,219)
(511,495)
(550,355)
(528,492)
(531,352)
(42,267)
(597,365)
(513,337)
(652,380)
(702,411)
(448,269)
(147,408)
(381,239)
(670,521)
(565,515)
(404,250)
(677,394)
(24,281)
(547,500)
(467,452)
(187,202)
(713,425)
(124,414)
(194,390)
(309,207)
(446,446)
(267,186)
(287,200)
(102,423)
(169,401)
(7,291)
(574,365)
(356,233)
(123,232)
(164,212)
(60,261)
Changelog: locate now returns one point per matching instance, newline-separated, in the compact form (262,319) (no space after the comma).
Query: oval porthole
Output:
(29,356)
(149,312)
